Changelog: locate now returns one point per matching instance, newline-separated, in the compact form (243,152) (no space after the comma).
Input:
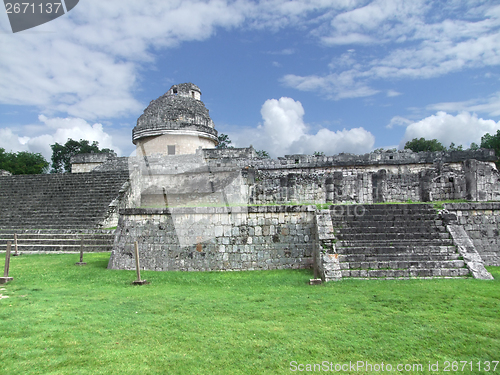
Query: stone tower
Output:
(176,123)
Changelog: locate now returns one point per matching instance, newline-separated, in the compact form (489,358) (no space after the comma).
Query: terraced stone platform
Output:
(58,201)
(394,241)
(53,212)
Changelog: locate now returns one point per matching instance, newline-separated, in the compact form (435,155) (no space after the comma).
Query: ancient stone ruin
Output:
(193,207)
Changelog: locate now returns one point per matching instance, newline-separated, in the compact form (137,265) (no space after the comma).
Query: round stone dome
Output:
(180,118)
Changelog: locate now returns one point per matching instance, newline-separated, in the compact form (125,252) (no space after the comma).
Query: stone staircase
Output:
(52,212)
(50,240)
(58,201)
(394,241)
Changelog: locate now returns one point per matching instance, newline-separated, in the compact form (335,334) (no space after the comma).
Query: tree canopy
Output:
(492,142)
(224,141)
(23,162)
(262,154)
(422,144)
(61,154)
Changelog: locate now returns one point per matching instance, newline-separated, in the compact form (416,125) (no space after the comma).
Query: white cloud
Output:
(85,64)
(377,22)
(347,59)
(490,105)
(398,121)
(11,142)
(286,51)
(392,93)
(461,129)
(423,40)
(334,86)
(54,130)
(284,132)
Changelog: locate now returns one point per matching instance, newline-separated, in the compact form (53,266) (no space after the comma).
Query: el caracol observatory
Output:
(176,123)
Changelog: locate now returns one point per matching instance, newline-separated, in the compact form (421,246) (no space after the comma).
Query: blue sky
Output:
(285,76)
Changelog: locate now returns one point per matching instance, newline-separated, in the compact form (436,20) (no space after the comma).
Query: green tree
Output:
(422,144)
(474,146)
(492,142)
(61,154)
(23,162)
(224,141)
(454,148)
(262,154)
(319,153)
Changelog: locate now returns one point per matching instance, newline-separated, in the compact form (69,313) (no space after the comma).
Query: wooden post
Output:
(315,264)
(316,257)
(6,277)
(7,261)
(137,266)
(81,262)
(15,246)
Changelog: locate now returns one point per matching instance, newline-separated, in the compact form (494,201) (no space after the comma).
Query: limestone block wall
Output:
(215,238)
(482,180)
(160,181)
(370,178)
(481,221)
(84,167)
(282,186)
(370,185)
(184,142)
(84,163)
(239,177)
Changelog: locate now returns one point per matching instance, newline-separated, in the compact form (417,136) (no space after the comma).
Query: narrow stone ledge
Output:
(467,206)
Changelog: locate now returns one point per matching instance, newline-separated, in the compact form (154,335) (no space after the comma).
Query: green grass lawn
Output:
(64,319)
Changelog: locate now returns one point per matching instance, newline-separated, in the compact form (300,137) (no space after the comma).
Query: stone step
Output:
(343,237)
(388,224)
(394,243)
(385,218)
(55,232)
(49,226)
(403,264)
(50,236)
(394,229)
(363,215)
(385,207)
(398,257)
(408,273)
(58,200)
(385,249)
(60,217)
(56,211)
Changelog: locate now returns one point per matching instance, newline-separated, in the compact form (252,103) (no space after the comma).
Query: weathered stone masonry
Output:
(397,240)
(215,238)
(190,206)
(481,221)
(370,178)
